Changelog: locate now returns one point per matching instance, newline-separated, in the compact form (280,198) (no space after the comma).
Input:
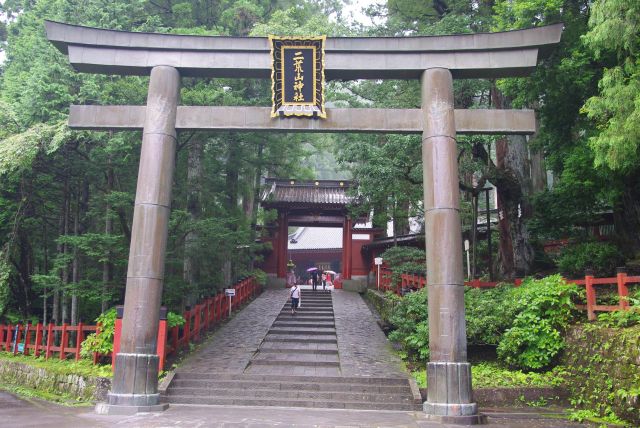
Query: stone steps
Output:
(301,339)
(293,394)
(322,404)
(298,323)
(221,376)
(249,382)
(299,351)
(303,331)
(296,365)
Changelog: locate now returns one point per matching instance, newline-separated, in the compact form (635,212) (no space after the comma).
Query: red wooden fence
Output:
(45,340)
(409,282)
(51,339)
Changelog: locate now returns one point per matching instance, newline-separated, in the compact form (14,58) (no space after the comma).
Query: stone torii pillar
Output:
(449,395)
(135,381)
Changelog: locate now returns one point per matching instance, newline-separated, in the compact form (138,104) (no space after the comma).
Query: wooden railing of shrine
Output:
(66,340)
(412,282)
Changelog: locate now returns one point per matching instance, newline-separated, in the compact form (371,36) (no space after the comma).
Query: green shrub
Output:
(405,260)
(409,317)
(544,309)
(489,313)
(601,257)
(103,342)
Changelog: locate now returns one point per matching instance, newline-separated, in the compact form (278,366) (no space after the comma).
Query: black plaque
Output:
(297,76)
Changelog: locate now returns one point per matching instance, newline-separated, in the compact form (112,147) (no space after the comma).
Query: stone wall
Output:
(78,387)
(605,370)
(382,305)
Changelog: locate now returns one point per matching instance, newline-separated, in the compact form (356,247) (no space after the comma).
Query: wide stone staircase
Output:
(296,365)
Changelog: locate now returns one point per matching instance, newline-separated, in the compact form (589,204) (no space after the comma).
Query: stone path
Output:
(363,349)
(230,349)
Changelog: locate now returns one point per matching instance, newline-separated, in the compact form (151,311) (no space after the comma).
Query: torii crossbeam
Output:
(434,60)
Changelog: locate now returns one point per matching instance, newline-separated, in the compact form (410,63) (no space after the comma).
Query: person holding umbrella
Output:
(315,275)
(326,279)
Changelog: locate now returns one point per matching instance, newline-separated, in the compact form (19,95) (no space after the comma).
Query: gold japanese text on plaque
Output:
(297,76)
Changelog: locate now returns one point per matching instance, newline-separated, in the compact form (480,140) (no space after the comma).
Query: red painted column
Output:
(283,237)
(347,248)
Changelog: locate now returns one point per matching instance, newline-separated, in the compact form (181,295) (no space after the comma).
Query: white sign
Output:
(229,292)
(360,237)
(377,261)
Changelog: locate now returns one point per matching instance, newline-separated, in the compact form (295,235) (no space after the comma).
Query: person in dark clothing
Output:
(314,279)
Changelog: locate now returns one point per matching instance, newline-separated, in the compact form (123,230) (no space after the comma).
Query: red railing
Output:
(45,340)
(51,339)
(411,282)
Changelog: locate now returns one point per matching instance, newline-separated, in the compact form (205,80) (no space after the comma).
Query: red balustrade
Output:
(410,282)
(47,341)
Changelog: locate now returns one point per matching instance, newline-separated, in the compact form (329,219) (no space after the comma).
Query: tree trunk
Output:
(514,188)
(107,265)
(75,265)
(190,267)
(538,171)
(65,269)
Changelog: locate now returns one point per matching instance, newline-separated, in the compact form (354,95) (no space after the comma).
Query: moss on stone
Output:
(604,369)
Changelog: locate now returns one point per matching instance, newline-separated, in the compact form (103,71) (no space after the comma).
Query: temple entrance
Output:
(435,61)
(313,207)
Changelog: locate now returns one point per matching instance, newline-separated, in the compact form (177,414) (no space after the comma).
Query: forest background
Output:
(66,197)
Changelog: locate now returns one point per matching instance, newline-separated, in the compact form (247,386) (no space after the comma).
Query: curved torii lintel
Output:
(479,55)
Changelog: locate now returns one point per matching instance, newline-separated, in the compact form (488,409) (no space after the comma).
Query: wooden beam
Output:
(245,119)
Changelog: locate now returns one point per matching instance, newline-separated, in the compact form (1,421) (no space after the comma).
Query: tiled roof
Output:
(319,192)
(316,238)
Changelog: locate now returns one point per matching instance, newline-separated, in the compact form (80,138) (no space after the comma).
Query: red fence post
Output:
(196,330)
(117,333)
(79,338)
(47,352)
(38,344)
(27,338)
(591,295)
(64,341)
(161,344)
(187,325)
(623,290)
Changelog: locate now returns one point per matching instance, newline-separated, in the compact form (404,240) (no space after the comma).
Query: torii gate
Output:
(433,60)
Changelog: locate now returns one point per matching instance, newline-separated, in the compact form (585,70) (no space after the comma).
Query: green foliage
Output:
(63,367)
(490,374)
(614,28)
(601,257)
(409,317)
(405,260)
(103,342)
(174,320)
(489,313)
(526,323)
(620,319)
(5,271)
(604,376)
(545,309)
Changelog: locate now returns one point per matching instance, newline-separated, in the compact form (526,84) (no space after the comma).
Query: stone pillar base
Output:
(449,396)
(458,420)
(135,381)
(112,409)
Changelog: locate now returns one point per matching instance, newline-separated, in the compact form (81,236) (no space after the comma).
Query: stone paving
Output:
(364,349)
(231,348)
(38,414)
